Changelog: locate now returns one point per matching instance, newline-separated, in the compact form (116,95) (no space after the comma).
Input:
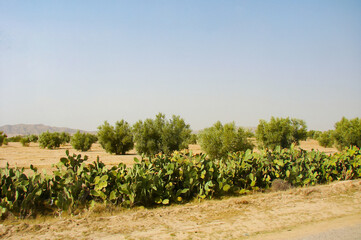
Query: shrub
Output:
(82,141)
(15,138)
(250,134)
(280,132)
(167,179)
(218,140)
(33,138)
(2,138)
(326,139)
(313,134)
(64,138)
(25,141)
(161,135)
(50,140)
(348,133)
(118,139)
(193,139)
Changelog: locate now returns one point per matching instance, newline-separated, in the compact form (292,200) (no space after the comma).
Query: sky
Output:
(78,63)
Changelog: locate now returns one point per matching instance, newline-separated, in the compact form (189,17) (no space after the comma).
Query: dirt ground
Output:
(274,215)
(17,155)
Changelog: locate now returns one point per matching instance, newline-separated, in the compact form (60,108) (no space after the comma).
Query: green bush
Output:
(16,138)
(280,132)
(166,179)
(33,138)
(64,138)
(313,134)
(50,140)
(348,133)
(250,133)
(326,138)
(83,141)
(218,140)
(2,138)
(117,139)
(25,141)
(161,135)
(193,139)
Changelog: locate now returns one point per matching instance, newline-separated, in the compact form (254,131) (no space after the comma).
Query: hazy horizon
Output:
(77,64)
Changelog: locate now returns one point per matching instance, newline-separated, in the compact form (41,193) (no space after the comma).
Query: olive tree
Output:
(219,140)
(280,132)
(83,141)
(326,138)
(25,141)
(117,139)
(49,140)
(348,133)
(193,138)
(64,138)
(2,138)
(161,135)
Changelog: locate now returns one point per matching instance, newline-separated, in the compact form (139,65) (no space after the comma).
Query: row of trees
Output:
(346,133)
(157,135)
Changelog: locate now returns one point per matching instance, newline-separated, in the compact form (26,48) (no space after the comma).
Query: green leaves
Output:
(82,141)
(164,179)
(280,132)
(116,139)
(219,140)
(161,135)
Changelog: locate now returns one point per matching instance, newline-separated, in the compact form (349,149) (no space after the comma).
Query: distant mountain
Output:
(26,129)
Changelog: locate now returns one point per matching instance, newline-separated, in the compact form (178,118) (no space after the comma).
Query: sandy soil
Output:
(17,155)
(276,215)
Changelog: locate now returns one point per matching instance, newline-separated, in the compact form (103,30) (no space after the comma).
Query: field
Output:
(272,215)
(19,156)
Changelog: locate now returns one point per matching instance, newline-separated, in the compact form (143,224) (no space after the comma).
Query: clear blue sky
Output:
(78,63)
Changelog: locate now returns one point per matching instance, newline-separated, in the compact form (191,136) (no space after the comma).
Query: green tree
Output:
(218,140)
(193,139)
(49,140)
(313,134)
(2,138)
(280,132)
(16,138)
(64,138)
(326,138)
(348,133)
(160,135)
(118,139)
(33,138)
(25,141)
(83,141)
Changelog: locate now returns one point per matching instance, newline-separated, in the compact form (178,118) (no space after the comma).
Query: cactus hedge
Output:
(165,179)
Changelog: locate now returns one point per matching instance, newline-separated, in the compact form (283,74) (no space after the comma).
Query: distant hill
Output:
(26,129)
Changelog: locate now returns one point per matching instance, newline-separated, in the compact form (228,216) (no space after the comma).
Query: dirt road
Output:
(292,214)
